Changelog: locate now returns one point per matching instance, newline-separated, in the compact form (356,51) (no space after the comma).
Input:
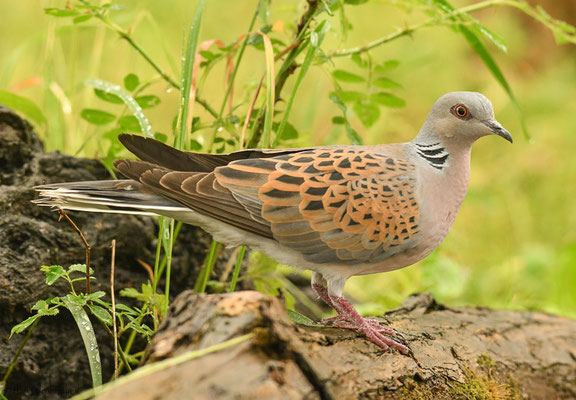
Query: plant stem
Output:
(434,21)
(202,280)
(17,355)
(86,247)
(126,36)
(237,269)
(231,83)
(112,295)
(287,68)
(168,268)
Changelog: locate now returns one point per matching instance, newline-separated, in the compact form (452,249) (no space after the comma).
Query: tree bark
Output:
(459,353)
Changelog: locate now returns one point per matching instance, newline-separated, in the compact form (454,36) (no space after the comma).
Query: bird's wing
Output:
(334,205)
(156,152)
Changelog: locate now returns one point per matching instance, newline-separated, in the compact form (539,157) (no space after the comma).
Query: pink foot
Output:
(340,322)
(349,318)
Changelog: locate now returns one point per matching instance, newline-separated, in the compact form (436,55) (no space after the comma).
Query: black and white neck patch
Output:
(435,154)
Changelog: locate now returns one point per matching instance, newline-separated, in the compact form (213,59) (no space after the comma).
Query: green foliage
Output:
(294,57)
(22,105)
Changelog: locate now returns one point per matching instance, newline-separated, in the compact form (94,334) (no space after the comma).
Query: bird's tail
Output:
(118,196)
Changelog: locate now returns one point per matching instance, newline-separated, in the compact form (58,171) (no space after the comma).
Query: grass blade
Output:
(202,280)
(489,61)
(316,38)
(270,92)
(162,365)
(128,100)
(237,269)
(187,76)
(88,337)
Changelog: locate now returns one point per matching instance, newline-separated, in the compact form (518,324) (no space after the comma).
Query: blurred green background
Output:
(514,242)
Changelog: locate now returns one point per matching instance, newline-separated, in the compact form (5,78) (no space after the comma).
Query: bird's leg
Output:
(321,290)
(349,318)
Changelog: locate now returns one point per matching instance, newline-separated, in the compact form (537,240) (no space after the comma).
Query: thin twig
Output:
(436,20)
(124,34)
(249,114)
(287,68)
(86,247)
(112,266)
(147,268)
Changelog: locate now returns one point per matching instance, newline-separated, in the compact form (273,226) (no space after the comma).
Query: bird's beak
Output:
(498,129)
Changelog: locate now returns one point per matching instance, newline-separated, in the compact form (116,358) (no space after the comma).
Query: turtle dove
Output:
(336,210)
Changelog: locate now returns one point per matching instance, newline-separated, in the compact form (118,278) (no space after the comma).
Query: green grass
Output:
(514,242)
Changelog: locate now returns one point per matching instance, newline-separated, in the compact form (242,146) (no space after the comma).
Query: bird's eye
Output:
(461,111)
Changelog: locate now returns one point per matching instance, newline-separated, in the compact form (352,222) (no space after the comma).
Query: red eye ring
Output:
(461,111)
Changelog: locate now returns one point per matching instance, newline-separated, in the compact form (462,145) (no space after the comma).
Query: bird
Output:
(337,210)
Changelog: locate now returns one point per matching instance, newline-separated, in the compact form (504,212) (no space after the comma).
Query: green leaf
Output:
(95,295)
(345,76)
(53,273)
(161,137)
(124,308)
(61,12)
(300,319)
(387,99)
(187,71)
(147,101)
(354,137)
(21,327)
(208,55)
(130,292)
(129,123)
(81,18)
(350,96)
(485,56)
(385,83)
(195,145)
(289,132)
(109,97)
(97,117)
(72,303)
(367,113)
(386,67)
(101,313)
(78,300)
(142,329)
(22,105)
(42,307)
(357,58)
(334,98)
(40,304)
(338,120)
(79,268)
(136,110)
(131,82)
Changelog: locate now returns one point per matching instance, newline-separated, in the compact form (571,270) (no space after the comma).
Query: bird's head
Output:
(462,117)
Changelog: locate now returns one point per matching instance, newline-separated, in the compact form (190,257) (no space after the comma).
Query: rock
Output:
(53,364)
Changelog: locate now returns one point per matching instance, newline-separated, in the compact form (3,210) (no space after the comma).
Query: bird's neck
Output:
(447,180)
